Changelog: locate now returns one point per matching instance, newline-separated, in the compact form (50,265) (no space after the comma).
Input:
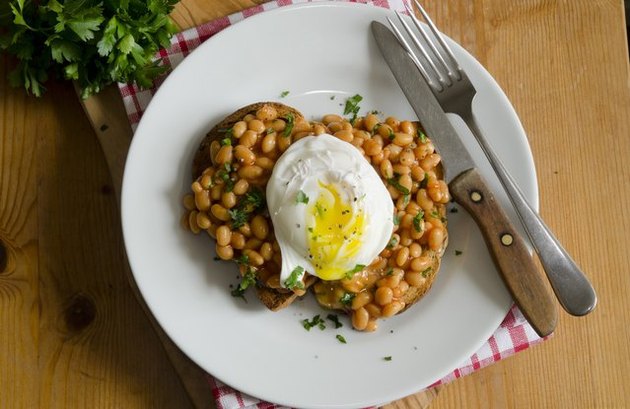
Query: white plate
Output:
(315,51)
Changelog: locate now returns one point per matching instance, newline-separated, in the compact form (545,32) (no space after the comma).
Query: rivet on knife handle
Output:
(512,258)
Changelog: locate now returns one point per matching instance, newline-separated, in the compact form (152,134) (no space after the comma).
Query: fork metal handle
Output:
(572,288)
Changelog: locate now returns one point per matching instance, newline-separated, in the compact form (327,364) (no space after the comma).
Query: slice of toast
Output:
(274,299)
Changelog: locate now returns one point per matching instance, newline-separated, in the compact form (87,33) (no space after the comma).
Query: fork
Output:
(455,93)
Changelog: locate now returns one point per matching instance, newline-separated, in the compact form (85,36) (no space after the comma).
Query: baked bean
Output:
(386,132)
(371,326)
(393,122)
(214,149)
(225,252)
(248,117)
(224,235)
(393,152)
(408,127)
(240,187)
(335,126)
(260,228)
(375,159)
(327,119)
(183,221)
(414,278)
(361,300)
(212,231)
(438,191)
(266,251)
(301,125)
(239,128)
(250,172)
(319,129)
(224,155)
(360,319)
(423,200)
(370,122)
(273,281)
(268,143)
(407,158)
(405,238)
(254,258)
(203,221)
(393,308)
(417,173)
(420,264)
(237,240)
(189,202)
(283,142)
(402,256)
(248,139)
(344,135)
(401,290)
(228,199)
(206,181)
(405,181)
(386,169)
(436,238)
(430,161)
(265,163)
(402,139)
(246,230)
(278,125)
(401,169)
(196,187)
(220,212)
(256,125)
(267,113)
(301,134)
(216,192)
(192,222)
(415,250)
(372,147)
(244,155)
(373,310)
(253,244)
(384,295)
(406,222)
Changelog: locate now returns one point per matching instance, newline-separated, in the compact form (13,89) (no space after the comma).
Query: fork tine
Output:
(444,82)
(451,76)
(407,47)
(439,37)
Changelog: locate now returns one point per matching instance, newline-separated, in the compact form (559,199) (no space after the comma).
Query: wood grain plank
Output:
(563,94)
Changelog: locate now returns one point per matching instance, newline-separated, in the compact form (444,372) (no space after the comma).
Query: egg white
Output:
(330,210)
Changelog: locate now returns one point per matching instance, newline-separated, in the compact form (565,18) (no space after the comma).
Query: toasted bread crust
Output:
(274,299)
(203,159)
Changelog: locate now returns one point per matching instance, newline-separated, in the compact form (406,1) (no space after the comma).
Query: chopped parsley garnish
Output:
(341,339)
(284,94)
(396,220)
(390,271)
(226,141)
(301,197)
(387,358)
(317,321)
(392,243)
(332,97)
(426,272)
(458,252)
(224,175)
(243,259)
(335,320)
(253,201)
(248,280)
(320,209)
(416,221)
(347,298)
(352,107)
(295,279)
(396,183)
(290,124)
(425,181)
(391,135)
(422,136)
(435,214)
(356,269)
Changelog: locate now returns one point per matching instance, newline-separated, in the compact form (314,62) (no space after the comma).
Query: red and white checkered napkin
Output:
(513,335)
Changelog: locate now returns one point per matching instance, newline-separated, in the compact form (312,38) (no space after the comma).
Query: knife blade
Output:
(511,256)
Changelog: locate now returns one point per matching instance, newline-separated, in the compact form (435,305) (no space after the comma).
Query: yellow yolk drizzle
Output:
(334,237)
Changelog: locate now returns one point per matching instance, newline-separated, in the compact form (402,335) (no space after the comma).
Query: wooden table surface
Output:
(73,335)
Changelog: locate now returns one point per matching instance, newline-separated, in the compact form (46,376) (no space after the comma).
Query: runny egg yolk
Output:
(333,233)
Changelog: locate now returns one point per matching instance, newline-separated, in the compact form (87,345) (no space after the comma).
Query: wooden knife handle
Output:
(508,250)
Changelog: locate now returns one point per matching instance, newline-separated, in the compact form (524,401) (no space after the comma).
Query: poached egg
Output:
(332,214)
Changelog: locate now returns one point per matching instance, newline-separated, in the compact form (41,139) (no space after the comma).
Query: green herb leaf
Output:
(387,358)
(458,252)
(248,280)
(341,339)
(290,119)
(284,94)
(396,220)
(301,197)
(335,319)
(352,107)
(316,321)
(426,272)
(346,299)
(295,279)
(226,142)
(392,243)
(395,182)
(356,269)
(417,219)
(421,136)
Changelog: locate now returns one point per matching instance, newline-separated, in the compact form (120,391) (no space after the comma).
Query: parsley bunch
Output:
(94,42)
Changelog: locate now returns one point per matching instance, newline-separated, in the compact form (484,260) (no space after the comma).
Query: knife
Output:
(513,260)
